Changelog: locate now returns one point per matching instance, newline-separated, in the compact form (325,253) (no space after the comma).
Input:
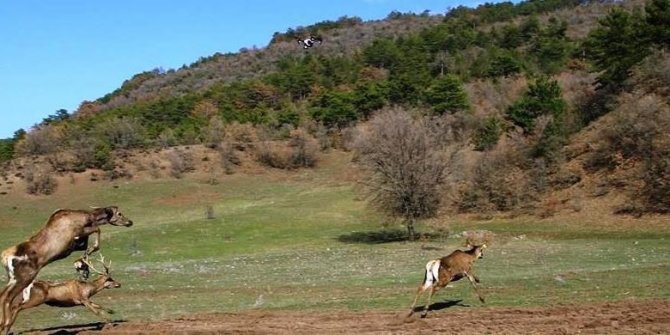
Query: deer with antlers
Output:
(65,294)
(65,232)
(455,266)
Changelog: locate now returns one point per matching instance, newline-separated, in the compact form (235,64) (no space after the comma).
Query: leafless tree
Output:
(405,164)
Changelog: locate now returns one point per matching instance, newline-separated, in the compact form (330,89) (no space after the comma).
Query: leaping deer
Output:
(440,272)
(66,230)
(65,294)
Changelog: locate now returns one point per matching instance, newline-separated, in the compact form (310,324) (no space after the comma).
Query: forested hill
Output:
(524,92)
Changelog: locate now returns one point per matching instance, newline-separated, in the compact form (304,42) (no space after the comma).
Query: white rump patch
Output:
(432,273)
(26,292)
(10,267)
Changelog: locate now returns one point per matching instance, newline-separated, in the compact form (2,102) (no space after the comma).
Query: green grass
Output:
(274,245)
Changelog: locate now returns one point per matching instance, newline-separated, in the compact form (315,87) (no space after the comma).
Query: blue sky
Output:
(56,54)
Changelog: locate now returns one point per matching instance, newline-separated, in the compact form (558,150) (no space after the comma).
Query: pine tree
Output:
(616,45)
(446,94)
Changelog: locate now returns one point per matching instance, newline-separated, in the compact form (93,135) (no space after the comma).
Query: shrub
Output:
(39,180)
(215,132)
(42,140)
(241,135)
(300,151)
(228,157)
(638,134)
(180,162)
(122,133)
(488,134)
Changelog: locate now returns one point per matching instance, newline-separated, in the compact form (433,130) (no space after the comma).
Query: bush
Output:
(638,135)
(42,140)
(180,162)
(499,183)
(228,157)
(300,151)
(40,181)
(241,135)
(215,132)
(488,134)
(122,133)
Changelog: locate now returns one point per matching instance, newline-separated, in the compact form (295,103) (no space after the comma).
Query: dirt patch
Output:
(626,317)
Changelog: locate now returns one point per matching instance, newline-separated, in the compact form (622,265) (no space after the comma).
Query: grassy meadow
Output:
(274,242)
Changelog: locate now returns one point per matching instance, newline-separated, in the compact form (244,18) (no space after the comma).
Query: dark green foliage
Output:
(335,109)
(447,95)
(288,116)
(61,115)
(551,47)
(504,63)
(658,22)
(383,53)
(6,149)
(542,98)
(553,138)
(488,134)
(102,156)
(510,37)
(616,45)
(369,97)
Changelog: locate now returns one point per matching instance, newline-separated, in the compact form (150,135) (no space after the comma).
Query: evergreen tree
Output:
(542,98)
(447,94)
(616,45)
(658,22)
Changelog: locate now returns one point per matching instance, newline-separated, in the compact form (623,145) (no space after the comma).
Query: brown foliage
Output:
(40,180)
(405,164)
(300,151)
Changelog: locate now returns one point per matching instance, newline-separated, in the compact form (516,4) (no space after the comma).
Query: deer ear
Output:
(110,212)
(103,214)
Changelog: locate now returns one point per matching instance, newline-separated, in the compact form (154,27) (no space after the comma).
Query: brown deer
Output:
(66,231)
(440,272)
(65,294)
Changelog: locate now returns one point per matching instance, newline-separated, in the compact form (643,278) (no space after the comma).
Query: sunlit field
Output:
(275,242)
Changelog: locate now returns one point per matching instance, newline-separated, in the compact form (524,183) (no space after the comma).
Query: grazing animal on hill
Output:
(65,294)
(66,231)
(440,272)
(309,42)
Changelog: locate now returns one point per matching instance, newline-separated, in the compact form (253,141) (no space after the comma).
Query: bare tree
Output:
(406,166)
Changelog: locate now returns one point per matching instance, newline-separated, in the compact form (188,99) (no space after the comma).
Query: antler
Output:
(102,261)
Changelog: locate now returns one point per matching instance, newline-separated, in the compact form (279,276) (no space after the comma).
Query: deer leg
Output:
(11,307)
(96,309)
(108,310)
(472,278)
(433,289)
(419,292)
(96,242)
(24,274)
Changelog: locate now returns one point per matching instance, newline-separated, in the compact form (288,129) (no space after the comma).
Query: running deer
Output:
(66,231)
(440,272)
(65,294)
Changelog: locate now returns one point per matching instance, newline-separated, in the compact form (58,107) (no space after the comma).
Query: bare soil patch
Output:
(624,317)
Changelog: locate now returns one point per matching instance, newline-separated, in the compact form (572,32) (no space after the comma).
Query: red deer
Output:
(66,294)
(66,231)
(440,272)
